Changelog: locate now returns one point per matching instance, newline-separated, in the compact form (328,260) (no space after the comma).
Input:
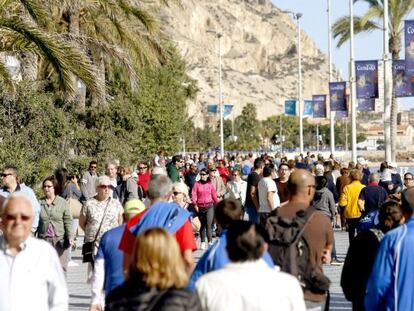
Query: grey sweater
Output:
(324,202)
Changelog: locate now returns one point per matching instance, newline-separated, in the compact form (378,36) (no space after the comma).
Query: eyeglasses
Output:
(47,186)
(142,167)
(105,186)
(408,178)
(203,174)
(6,174)
(13,217)
(176,193)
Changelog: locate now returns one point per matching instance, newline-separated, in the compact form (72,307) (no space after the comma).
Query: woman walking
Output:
(55,221)
(204,197)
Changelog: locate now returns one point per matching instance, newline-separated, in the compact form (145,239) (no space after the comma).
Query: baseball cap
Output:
(134,206)
(392,164)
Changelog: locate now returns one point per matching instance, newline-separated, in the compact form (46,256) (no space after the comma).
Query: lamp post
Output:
(219,35)
(297,17)
(389,156)
(352,81)
(332,113)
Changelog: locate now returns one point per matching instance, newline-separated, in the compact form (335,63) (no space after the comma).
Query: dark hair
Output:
(389,215)
(12,168)
(283,164)
(92,163)
(408,173)
(53,180)
(344,171)
(407,201)
(267,171)
(321,182)
(245,241)
(258,163)
(175,159)
(383,166)
(61,175)
(228,211)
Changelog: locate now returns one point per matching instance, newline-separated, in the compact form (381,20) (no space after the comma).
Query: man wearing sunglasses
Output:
(32,277)
(9,178)
(88,182)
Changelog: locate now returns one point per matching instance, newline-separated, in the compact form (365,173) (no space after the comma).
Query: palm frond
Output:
(36,11)
(7,78)
(142,15)
(341,30)
(65,59)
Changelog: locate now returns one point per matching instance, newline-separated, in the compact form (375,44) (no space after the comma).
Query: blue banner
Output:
(337,96)
(366,79)
(401,81)
(341,114)
(409,51)
(366,104)
(319,106)
(228,109)
(307,109)
(212,108)
(290,107)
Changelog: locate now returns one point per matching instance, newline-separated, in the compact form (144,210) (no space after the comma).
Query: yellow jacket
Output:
(349,199)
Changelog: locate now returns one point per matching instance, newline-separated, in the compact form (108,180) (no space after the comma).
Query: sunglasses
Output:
(142,167)
(203,174)
(6,174)
(176,193)
(105,186)
(93,167)
(408,179)
(13,217)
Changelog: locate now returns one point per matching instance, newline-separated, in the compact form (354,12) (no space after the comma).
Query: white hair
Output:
(16,196)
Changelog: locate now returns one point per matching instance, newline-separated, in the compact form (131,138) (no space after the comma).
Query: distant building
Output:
(375,137)
(405,117)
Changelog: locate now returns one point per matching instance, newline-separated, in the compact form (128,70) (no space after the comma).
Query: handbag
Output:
(88,248)
(74,204)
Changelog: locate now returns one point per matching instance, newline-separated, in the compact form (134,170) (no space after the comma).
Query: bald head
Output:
(301,185)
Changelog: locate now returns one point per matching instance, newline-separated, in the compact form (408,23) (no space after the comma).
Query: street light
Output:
(332,116)
(389,152)
(219,35)
(352,81)
(297,17)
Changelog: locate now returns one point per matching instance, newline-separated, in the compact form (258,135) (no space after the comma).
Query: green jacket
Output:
(59,215)
(173,173)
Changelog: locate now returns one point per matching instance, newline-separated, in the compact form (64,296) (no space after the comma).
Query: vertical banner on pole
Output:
(319,106)
(212,108)
(307,109)
(409,52)
(228,109)
(401,80)
(366,104)
(366,79)
(290,107)
(337,96)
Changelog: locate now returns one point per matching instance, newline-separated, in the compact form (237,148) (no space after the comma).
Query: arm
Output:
(343,200)
(194,194)
(214,195)
(67,221)
(253,191)
(269,199)
(332,206)
(189,261)
(58,298)
(82,218)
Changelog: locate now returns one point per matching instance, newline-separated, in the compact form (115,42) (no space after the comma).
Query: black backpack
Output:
(290,250)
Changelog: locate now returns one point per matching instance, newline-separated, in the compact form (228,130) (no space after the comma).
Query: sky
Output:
(315,23)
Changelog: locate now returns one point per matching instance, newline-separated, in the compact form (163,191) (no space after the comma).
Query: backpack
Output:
(368,221)
(290,250)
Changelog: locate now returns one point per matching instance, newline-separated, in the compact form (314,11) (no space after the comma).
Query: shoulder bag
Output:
(74,204)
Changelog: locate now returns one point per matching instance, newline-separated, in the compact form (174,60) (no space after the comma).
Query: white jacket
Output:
(250,286)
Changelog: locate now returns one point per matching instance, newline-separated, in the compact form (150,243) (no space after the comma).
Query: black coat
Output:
(132,295)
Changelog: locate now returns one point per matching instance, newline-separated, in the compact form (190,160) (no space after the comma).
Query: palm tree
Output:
(371,21)
(20,32)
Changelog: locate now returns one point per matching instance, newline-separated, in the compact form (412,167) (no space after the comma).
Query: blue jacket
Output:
(391,284)
(215,258)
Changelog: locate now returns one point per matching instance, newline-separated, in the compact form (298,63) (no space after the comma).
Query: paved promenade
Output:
(80,292)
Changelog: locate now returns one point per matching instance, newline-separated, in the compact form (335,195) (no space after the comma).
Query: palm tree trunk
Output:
(28,66)
(99,99)
(395,48)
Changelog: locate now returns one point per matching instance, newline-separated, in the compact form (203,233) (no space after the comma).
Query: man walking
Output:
(10,185)
(88,182)
(268,196)
(252,194)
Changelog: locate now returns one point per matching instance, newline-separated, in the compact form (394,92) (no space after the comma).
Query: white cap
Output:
(361,161)
(392,164)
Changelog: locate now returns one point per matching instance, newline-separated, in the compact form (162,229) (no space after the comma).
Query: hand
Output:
(326,256)
(196,208)
(96,307)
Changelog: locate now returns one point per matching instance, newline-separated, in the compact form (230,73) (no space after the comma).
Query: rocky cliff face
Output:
(259,54)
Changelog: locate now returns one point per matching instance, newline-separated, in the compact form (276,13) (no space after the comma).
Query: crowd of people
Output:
(266,224)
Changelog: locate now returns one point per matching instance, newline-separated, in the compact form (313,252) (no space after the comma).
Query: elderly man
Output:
(373,196)
(31,274)
(10,184)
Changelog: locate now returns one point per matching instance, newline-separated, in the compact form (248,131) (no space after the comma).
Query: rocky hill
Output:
(259,54)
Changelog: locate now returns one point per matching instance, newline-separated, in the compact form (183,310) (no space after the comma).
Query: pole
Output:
(346,134)
(387,100)
(298,16)
(183,146)
(232,126)
(332,113)
(317,137)
(280,135)
(219,35)
(352,81)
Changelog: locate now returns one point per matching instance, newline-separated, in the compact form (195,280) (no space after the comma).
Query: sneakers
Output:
(210,243)
(72,264)
(203,246)
(336,262)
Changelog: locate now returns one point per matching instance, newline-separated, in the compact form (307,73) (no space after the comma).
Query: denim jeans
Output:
(252,214)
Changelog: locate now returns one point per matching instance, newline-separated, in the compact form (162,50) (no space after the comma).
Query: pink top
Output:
(204,194)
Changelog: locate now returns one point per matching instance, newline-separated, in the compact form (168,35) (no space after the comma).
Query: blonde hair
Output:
(158,260)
